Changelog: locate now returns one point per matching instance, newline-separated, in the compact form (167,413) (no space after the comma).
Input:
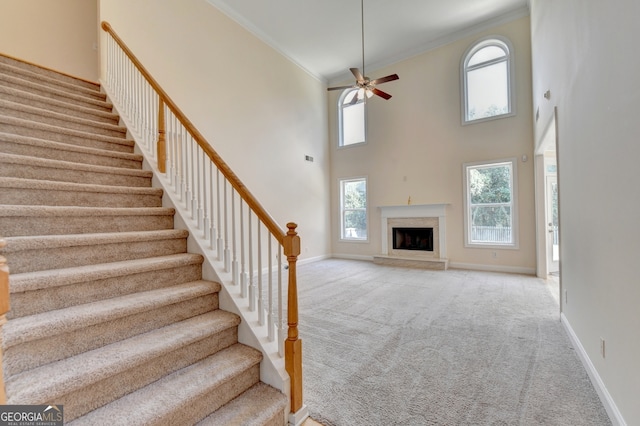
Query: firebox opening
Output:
(413,239)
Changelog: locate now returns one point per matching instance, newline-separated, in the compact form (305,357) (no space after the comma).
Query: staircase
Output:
(109,314)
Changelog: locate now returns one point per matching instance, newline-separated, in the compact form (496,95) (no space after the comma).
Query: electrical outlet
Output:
(494,254)
(602,347)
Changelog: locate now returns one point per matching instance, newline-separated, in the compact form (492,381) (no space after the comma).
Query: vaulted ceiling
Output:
(325,36)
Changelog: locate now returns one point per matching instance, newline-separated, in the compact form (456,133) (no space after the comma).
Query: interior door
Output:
(553,243)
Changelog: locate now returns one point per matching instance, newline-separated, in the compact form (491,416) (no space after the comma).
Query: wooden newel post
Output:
(293,345)
(162,144)
(4,308)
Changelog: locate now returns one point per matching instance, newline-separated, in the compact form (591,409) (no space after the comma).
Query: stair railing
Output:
(236,227)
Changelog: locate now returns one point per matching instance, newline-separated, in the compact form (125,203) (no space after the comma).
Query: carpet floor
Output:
(393,346)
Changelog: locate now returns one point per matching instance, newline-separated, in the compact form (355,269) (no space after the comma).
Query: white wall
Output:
(585,53)
(417,145)
(57,34)
(261,112)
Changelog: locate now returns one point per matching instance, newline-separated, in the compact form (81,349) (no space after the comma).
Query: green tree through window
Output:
(354,208)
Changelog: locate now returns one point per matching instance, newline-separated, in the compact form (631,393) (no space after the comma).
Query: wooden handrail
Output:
(4,308)
(233,179)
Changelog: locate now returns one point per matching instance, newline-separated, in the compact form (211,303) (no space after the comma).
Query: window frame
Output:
(514,244)
(341,182)
(504,44)
(341,107)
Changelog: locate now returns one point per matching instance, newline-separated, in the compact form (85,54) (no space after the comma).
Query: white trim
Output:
(437,43)
(504,43)
(493,268)
(605,397)
(515,229)
(261,35)
(414,211)
(366,210)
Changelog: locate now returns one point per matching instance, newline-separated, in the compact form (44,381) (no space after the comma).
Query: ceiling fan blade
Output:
(339,88)
(385,79)
(357,74)
(381,93)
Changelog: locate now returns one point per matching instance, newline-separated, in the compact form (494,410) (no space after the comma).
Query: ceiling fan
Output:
(367,86)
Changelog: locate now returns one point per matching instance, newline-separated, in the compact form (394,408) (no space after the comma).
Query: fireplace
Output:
(414,235)
(412,239)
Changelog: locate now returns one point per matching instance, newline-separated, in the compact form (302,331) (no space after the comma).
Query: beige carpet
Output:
(392,346)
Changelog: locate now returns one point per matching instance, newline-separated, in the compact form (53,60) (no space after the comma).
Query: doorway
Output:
(547,208)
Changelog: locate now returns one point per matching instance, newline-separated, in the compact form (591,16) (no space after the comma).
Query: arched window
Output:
(487,80)
(351,118)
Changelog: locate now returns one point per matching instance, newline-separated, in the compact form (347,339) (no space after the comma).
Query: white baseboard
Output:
(493,268)
(598,384)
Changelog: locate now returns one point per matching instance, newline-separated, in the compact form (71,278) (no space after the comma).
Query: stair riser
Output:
(26,171)
(67,257)
(87,399)
(54,84)
(58,134)
(48,73)
(14,226)
(210,401)
(31,354)
(54,153)
(82,100)
(49,299)
(83,126)
(57,106)
(48,197)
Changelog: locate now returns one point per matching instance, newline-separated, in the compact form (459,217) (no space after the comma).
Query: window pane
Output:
(486,54)
(353,123)
(491,224)
(355,224)
(355,195)
(490,185)
(487,91)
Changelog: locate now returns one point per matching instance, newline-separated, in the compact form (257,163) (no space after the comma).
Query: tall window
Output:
(490,204)
(353,209)
(351,117)
(487,80)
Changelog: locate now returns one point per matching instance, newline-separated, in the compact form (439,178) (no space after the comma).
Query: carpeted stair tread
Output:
(42,148)
(96,101)
(22,220)
(49,81)
(258,406)
(58,241)
(22,166)
(37,253)
(164,401)
(48,324)
(41,70)
(71,193)
(49,104)
(32,281)
(49,381)
(46,83)
(45,131)
(27,112)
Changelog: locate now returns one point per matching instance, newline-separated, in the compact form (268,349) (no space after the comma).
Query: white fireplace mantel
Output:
(414,211)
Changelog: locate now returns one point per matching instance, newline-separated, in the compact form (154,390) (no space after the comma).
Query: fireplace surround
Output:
(421,217)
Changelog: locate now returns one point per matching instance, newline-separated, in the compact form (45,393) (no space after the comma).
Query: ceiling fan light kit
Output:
(367,87)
